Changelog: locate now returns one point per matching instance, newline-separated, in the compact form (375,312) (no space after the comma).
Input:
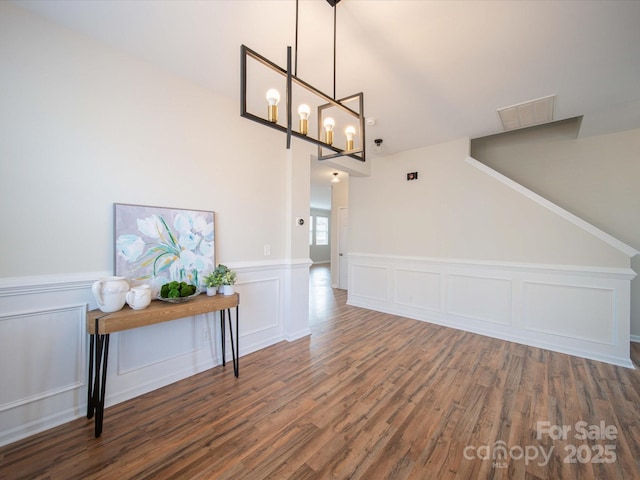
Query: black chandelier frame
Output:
(291,78)
(357,153)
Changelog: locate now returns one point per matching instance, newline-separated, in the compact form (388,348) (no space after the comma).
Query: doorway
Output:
(343,224)
(329,196)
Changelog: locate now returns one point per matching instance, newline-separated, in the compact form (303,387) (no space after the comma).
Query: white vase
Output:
(139,297)
(211,291)
(227,289)
(110,293)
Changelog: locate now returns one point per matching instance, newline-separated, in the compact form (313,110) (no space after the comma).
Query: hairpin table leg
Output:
(222,334)
(101,392)
(98,357)
(235,351)
(90,405)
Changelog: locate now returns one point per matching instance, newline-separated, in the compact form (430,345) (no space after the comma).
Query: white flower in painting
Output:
(185,222)
(187,260)
(189,240)
(129,247)
(182,223)
(207,231)
(188,264)
(206,249)
(151,226)
(192,228)
(207,244)
(200,224)
(190,222)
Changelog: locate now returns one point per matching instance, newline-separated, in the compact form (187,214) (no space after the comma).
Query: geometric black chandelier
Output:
(338,123)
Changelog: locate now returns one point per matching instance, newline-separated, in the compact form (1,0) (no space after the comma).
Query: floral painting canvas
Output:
(156,245)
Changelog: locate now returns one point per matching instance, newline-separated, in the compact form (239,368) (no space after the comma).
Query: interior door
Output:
(343,224)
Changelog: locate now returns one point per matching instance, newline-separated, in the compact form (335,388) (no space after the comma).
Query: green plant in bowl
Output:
(177,290)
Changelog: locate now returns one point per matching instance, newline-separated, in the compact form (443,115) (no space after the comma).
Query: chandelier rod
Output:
(295,64)
(335,10)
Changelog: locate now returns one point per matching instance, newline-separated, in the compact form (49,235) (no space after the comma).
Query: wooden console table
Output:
(101,324)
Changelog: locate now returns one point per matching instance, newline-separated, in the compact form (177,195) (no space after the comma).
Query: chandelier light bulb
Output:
(329,123)
(350,131)
(304,111)
(273,97)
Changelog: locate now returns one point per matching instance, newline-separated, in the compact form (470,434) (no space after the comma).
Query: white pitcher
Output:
(139,297)
(110,293)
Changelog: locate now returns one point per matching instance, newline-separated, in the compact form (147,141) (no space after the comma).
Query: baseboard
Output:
(297,335)
(41,424)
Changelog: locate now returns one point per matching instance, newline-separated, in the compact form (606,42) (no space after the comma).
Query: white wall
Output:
(461,247)
(455,211)
(83,127)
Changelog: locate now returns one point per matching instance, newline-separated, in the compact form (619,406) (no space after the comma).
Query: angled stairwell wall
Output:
(595,178)
(464,247)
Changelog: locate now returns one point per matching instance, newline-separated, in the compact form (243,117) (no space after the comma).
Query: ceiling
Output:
(431,71)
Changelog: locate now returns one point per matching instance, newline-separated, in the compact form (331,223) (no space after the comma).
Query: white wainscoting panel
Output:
(415,288)
(480,298)
(260,320)
(44,344)
(583,311)
(570,311)
(369,281)
(42,354)
(143,347)
(295,299)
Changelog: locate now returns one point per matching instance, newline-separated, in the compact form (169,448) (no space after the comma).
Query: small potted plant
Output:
(212,282)
(228,281)
(226,278)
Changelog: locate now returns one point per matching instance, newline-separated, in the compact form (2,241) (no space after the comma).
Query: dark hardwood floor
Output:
(367,396)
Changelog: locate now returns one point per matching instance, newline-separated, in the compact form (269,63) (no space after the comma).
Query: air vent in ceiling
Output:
(526,114)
